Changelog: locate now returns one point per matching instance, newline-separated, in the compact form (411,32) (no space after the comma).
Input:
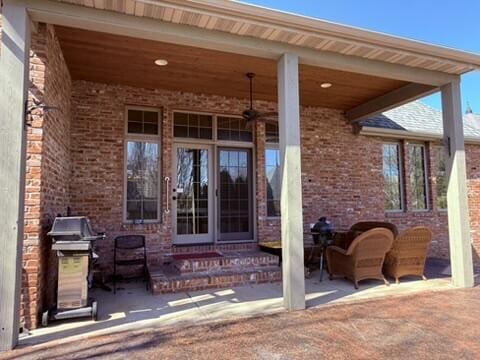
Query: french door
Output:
(199,178)
(235,190)
(192,203)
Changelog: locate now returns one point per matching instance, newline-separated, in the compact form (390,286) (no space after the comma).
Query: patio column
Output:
(14,67)
(457,197)
(291,195)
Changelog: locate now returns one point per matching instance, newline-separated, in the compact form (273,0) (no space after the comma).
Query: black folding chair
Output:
(129,242)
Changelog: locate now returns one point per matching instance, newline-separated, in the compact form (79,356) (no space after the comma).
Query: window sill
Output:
(420,214)
(145,222)
(394,212)
(274,218)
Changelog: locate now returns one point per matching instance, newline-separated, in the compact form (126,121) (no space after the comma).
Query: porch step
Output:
(222,260)
(166,279)
(182,249)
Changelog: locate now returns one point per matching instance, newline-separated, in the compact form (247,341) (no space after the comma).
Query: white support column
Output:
(457,195)
(291,196)
(14,67)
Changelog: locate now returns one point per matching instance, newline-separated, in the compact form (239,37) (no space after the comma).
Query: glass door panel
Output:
(192,195)
(235,194)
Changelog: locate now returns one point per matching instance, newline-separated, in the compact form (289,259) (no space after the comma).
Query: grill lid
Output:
(73,228)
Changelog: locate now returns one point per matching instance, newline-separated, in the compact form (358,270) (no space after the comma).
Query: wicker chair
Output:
(364,257)
(344,239)
(408,253)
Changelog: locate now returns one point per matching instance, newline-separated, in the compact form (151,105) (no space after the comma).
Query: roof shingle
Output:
(417,117)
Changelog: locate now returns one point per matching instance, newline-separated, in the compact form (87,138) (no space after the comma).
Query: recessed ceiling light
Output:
(326,85)
(161,62)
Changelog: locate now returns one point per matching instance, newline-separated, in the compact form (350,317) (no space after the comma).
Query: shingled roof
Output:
(421,119)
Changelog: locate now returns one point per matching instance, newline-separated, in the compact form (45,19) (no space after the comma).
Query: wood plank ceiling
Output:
(114,59)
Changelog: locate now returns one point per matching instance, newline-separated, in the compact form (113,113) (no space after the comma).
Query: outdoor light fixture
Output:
(326,85)
(161,62)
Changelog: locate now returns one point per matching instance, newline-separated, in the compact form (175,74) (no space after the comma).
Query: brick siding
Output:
(341,172)
(47,171)
(472,153)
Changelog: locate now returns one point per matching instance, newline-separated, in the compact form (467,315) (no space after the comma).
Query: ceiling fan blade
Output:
(268,114)
(250,124)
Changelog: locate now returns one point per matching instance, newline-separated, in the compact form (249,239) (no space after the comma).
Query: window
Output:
(233,129)
(441,180)
(194,126)
(271,132)
(392,177)
(142,166)
(417,176)
(142,122)
(272,169)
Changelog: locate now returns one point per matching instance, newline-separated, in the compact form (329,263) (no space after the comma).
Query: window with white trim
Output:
(417,176)
(392,177)
(441,179)
(142,165)
(272,170)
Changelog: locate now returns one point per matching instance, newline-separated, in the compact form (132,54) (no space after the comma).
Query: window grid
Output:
(193,126)
(417,176)
(392,177)
(271,133)
(273,181)
(441,179)
(144,122)
(234,191)
(142,165)
(233,129)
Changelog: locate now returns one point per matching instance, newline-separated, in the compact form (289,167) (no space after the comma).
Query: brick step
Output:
(224,261)
(214,247)
(162,280)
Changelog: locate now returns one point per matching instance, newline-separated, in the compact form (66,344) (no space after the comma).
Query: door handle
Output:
(167,180)
(174,198)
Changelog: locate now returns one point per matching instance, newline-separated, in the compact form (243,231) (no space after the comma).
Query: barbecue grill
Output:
(73,239)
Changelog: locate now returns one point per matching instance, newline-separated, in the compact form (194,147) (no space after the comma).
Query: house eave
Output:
(262,23)
(324,27)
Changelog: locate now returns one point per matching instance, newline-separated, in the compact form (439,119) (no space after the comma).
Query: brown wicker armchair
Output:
(364,257)
(344,239)
(408,253)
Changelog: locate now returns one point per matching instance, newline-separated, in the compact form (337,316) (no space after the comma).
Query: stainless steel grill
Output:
(73,239)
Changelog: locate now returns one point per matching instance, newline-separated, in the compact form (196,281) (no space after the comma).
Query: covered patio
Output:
(133,308)
(414,331)
(101,65)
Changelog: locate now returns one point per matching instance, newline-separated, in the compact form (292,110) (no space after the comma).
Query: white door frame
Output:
(251,193)
(202,238)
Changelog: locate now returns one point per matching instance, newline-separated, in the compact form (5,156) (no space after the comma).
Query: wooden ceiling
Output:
(114,59)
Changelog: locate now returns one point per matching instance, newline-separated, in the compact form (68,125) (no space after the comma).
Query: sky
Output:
(451,23)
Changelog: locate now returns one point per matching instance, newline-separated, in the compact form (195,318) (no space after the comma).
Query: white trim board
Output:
(405,134)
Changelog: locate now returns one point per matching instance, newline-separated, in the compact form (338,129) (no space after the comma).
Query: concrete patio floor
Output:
(133,308)
(426,325)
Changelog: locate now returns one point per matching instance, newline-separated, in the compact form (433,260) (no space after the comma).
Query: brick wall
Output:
(473,174)
(97,139)
(341,172)
(47,171)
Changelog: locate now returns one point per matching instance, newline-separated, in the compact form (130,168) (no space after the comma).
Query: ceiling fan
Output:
(251,115)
